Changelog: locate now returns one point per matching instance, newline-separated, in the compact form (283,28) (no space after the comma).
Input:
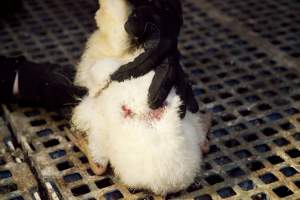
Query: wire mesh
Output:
(253,93)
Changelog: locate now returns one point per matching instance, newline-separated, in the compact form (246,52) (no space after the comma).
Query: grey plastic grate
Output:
(49,30)
(253,93)
(17,182)
(60,165)
(277,21)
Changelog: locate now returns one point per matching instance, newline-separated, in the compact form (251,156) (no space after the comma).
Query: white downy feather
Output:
(160,153)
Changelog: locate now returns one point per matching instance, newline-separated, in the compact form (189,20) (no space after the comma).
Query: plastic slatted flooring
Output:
(248,80)
(17,182)
(276,21)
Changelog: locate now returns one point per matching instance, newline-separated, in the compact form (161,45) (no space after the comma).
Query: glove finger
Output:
(127,72)
(191,101)
(184,90)
(181,92)
(139,67)
(135,25)
(145,62)
(161,85)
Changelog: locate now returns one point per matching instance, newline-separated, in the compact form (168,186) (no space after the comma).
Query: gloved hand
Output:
(44,84)
(147,24)
(170,74)
(156,24)
(166,14)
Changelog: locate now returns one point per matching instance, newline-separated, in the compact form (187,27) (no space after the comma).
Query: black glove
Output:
(167,75)
(173,5)
(158,27)
(158,30)
(152,57)
(45,84)
(145,22)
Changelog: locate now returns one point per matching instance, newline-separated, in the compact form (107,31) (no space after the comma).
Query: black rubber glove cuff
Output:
(29,84)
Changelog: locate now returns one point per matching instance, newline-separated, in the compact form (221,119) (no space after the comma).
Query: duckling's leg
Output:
(79,139)
(206,121)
